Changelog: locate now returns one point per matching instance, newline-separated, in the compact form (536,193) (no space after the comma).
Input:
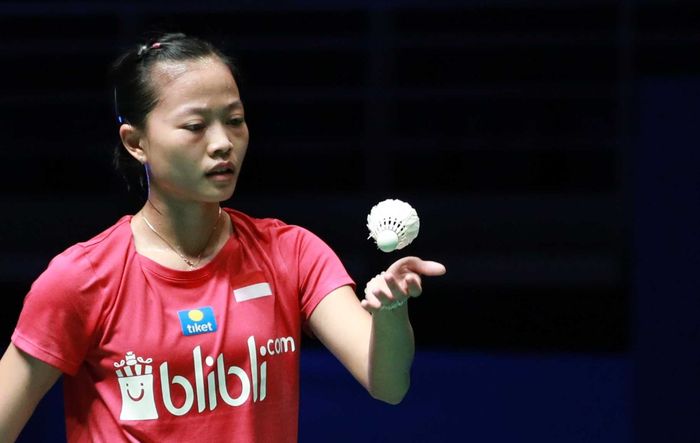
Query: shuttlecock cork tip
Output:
(387,241)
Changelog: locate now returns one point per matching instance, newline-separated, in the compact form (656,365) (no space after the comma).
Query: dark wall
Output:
(667,248)
(501,122)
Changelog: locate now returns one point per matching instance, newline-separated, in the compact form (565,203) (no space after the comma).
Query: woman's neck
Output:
(192,230)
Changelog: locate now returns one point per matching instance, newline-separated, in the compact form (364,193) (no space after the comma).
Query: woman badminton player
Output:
(188,316)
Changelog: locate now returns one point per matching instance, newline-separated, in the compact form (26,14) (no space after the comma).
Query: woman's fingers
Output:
(401,281)
(413,285)
(418,266)
(407,285)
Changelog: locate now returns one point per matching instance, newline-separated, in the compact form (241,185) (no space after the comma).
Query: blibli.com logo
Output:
(215,381)
(197,321)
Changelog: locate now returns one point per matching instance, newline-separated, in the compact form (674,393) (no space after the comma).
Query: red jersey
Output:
(155,354)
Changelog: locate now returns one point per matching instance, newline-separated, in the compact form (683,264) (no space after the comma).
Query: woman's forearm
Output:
(23,382)
(391,353)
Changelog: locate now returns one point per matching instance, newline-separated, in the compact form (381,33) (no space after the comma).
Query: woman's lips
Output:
(221,168)
(222,172)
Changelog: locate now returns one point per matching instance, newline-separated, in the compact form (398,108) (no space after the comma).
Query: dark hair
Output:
(134,94)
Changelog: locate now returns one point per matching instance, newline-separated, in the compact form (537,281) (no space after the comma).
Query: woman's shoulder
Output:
(113,241)
(260,227)
(275,232)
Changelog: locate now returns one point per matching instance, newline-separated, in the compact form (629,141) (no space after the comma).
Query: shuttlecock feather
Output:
(393,224)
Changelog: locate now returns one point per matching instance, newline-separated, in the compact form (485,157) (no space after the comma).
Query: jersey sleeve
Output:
(61,312)
(320,271)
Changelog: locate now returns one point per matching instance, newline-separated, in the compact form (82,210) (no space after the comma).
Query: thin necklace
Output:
(189,262)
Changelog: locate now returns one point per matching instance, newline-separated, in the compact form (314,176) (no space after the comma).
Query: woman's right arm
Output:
(24,380)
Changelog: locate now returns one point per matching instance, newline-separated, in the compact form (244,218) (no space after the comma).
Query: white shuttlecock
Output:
(393,224)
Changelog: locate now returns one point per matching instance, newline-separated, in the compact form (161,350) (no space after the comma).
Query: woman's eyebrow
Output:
(236,104)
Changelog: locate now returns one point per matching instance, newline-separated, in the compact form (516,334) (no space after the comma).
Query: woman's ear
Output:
(132,139)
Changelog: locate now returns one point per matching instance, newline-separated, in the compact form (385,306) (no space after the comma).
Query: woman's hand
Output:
(393,287)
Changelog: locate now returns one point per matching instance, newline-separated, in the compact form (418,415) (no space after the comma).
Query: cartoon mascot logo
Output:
(136,385)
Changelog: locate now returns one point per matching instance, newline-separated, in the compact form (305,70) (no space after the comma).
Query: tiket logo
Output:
(137,391)
(136,386)
(197,321)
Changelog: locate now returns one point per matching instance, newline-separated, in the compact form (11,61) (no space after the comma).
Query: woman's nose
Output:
(220,143)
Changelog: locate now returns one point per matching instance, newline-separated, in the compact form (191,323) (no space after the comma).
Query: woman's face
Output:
(195,138)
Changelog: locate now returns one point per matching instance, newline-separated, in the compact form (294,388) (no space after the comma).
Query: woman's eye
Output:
(194,127)
(236,121)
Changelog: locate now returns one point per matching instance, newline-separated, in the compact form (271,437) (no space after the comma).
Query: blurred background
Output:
(546,145)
